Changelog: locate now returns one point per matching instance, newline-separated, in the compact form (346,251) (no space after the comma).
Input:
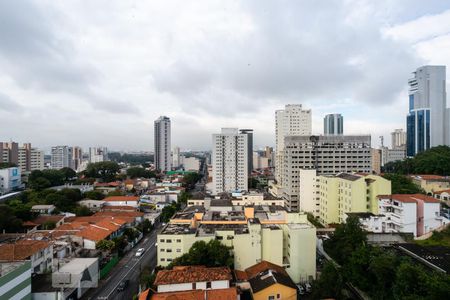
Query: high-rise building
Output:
(163,159)
(77,157)
(328,155)
(376,161)
(333,124)
(428,120)
(230,161)
(176,157)
(25,157)
(249,133)
(96,154)
(61,157)
(290,121)
(398,139)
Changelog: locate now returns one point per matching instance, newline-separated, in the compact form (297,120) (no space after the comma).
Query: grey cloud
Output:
(299,51)
(9,105)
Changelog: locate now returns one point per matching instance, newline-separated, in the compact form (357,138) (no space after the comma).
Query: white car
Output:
(140,251)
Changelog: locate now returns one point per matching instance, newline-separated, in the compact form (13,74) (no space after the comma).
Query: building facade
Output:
(292,120)
(98,154)
(61,157)
(391,155)
(176,157)
(10,180)
(333,124)
(428,118)
(163,159)
(253,233)
(230,161)
(328,155)
(398,139)
(249,133)
(25,157)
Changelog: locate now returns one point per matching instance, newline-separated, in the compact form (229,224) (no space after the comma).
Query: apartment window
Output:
(178,250)
(163,259)
(169,250)
(161,250)
(178,240)
(194,285)
(161,240)
(168,241)
(271,298)
(278,296)
(208,285)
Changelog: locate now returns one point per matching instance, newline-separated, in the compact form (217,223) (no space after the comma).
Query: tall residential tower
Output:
(230,161)
(163,159)
(292,120)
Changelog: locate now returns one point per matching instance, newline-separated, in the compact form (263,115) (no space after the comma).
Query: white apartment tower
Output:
(176,157)
(96,154)
(61,157)
(398,139)
(163,158)
(230,161)
(290,121)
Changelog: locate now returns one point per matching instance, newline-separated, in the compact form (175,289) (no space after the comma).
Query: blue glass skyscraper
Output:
(427,123)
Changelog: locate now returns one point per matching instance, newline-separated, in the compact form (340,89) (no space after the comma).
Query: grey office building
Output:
(333,124)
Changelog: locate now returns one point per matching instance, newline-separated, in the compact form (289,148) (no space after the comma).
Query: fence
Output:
(105,270)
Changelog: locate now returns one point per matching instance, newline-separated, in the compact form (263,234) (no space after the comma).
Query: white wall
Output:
(308,196)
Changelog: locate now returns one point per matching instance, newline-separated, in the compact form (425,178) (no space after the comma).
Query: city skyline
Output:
(116,79)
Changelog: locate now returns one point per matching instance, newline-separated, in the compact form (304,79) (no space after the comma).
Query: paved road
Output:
(129,268)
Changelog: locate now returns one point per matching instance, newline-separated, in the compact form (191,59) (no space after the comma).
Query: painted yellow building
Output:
(431,183)
(349,193)
(254,233)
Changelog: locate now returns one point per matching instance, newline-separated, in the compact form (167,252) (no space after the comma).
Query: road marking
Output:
(126,274)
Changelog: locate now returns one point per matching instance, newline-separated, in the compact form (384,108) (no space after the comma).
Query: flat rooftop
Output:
(210,229)
(178,229)
(77,265)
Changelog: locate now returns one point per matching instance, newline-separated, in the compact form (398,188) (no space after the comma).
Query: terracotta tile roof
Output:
(443,191)
(192,274)
(43,219)
(185,295)
(121,198)
(263,266)
(410,198)
(21,250)
(269,278)
(94,233)
(107,184)
(240,275)
(429,177)
(144,295)
(118,207)
(118,214)
(222,294)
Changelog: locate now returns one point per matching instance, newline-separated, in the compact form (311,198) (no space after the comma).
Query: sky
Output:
(98,73)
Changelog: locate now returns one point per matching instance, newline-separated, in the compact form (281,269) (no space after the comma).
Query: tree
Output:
(81,211)
(49,225)
(167,212)
(39,183)
(329,285)
(347,238)
(211,254)
(8,221)
(402,184)
(105,245)
(190,179)
(5,165)
(68,174)
(94,195)
(105,170)
(184,197)
(138,172)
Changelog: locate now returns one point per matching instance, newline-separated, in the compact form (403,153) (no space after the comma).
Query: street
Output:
(128,268)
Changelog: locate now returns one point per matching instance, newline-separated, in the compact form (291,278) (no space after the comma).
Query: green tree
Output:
(68,174)
(167,212)
(105,245)
(105,170)
(81,211)
(8,221)
(211,254)
(5,165)
(347,238)
(402,184)
(138,172)
(329,285)
(94,195)
(49,225)
(190,179)
(39,183)
(184,197)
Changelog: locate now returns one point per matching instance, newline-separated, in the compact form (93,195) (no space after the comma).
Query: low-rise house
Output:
(40,253)
(82,187)
(43,209)
(107,187)
(409,213)
(217,294)
(49,221)
(267,281)
(102,230)
(431,183)
(443,195)
(122,201)
(93,205)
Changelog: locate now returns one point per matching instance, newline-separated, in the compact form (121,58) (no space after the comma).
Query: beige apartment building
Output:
(254,233)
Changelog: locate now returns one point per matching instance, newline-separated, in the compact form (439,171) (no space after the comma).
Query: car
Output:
(308,287)
(140,251)
(301,289)
(123,285)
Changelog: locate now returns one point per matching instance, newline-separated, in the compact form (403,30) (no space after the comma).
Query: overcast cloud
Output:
(100,72)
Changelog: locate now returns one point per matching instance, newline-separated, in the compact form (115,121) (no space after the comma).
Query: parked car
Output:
(308,287)
(123,285)
(301,289)
(140,251)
